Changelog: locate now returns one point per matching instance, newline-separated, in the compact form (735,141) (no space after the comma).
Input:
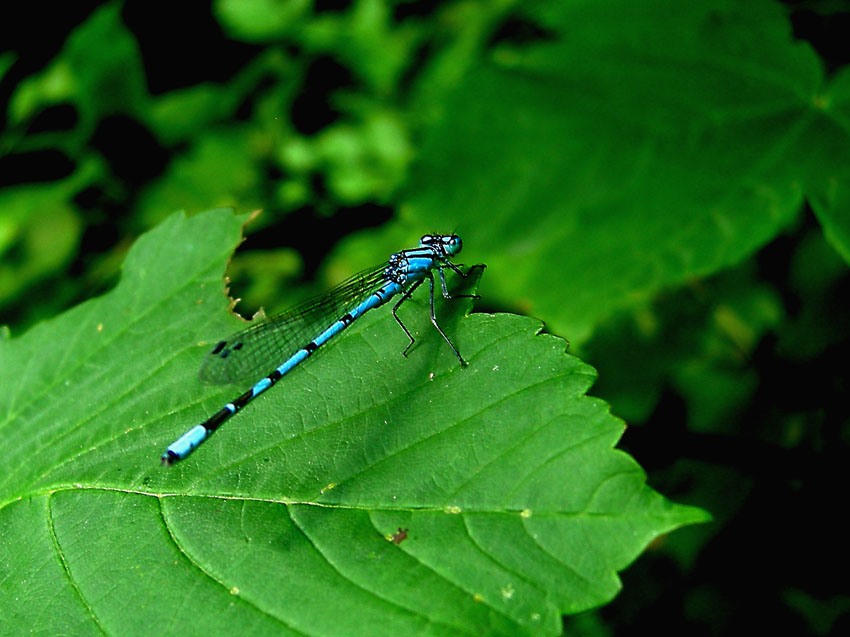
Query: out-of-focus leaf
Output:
(365,162)
(39,231)
(183,113)
(818,278)
(99,70)
(699,340)
(376,47)
(260,20)
(630,149)
(831,171)
(219,170)
(7,59)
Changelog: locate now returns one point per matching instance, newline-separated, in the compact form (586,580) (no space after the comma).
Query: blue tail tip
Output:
(168,458)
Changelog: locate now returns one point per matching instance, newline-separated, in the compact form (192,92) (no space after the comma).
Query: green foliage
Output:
(635,162)
(100,79)
(513,505)
(637,175)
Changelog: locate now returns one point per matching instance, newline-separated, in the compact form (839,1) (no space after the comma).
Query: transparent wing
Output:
(254,352)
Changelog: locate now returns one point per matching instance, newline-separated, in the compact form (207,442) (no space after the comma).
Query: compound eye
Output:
(452,243)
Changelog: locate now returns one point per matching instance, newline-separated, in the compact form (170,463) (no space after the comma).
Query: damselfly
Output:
(283,340)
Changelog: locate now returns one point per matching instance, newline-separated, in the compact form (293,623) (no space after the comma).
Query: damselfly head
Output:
(447,244)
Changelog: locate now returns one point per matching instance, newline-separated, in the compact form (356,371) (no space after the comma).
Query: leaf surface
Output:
(365,494)
(630,148)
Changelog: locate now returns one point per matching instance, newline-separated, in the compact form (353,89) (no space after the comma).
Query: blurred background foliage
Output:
(620,206)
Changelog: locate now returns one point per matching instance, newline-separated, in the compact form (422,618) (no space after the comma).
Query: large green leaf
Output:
(630,148)
(365,494)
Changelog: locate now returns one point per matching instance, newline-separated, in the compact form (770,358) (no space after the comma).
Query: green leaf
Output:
(217,169)
(629,149)
(260,20)
(831,172)
(33,244)
(99,69)
(366,493)
(7,59)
